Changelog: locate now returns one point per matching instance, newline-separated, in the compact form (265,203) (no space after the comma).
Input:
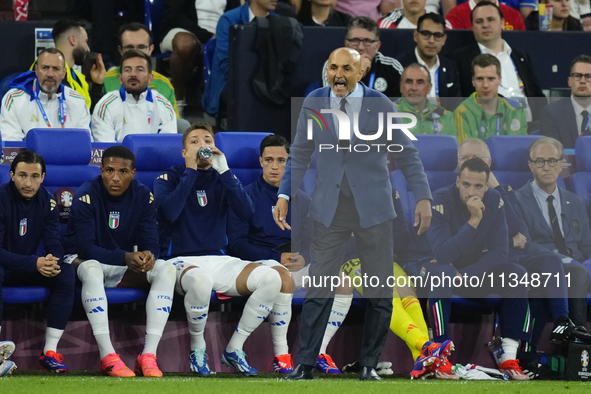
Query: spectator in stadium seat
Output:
(431,119)
(543,300)
(187,26)
(71,39)
(485,112)
(519,78)
(112,217)
(404,18)
(134,108)
(561,19)
(557,221)
(193,202)
(322,13)
(38,99)
(581,10)
(469,218)
(460,16)
(381,73)
(259,238)
(137,36)
(568,118)
(214,97)
(430,37)
(29,216)
(367,8)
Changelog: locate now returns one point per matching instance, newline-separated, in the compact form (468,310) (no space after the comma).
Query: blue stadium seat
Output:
(509,159)
(580,182)
(208,51)
(66,153)
(154,153)
(242,150)
(25,295)
(153,16)
(439,154)
(5,83)
(4,169)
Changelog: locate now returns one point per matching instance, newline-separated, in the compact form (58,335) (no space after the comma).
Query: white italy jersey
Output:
(21,113)
(119,114)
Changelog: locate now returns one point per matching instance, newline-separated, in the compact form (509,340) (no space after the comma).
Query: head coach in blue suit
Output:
(353,194)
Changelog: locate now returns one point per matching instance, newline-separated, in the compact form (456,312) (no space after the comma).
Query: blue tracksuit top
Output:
(453,241)
(193,206)
(258,239)
(24,224)
(104,228)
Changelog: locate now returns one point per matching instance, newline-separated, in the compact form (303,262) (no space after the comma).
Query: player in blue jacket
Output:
(112,217)
(260,238)
(193,202)
(469,238)
(28,216)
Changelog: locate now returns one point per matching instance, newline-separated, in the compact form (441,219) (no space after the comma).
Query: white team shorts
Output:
(223,270)
(112,274)
(166,44)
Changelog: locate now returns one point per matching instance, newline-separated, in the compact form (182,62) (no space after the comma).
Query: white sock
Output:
(510,347)
(340,308)
(159,302)
(198,284)
(265,283)
(279,318)
(52,337)
(95,304)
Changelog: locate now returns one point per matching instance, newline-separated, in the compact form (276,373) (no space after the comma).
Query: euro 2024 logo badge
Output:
(66,199)
(584,358)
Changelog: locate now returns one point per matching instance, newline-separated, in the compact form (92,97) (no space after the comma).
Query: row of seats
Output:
(154,153)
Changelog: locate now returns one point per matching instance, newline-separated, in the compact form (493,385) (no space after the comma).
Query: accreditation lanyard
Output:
(519,80)
(372,80)
(61,111)
(482,128)
(437,84)
(435,125)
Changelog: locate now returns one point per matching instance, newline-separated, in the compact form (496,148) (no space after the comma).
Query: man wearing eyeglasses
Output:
(138,36)
(557,221)
(381,73)
(568,118)
(430,37)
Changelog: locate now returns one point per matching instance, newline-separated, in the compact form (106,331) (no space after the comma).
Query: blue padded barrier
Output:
(510,159)
(24,295)
(154,153)
(242,150)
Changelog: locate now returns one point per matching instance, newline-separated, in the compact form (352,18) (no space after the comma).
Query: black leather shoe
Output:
(300,372)
(368,373)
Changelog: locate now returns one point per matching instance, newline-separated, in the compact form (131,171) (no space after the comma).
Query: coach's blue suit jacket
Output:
(558,120)
(575,223)
(367,173)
